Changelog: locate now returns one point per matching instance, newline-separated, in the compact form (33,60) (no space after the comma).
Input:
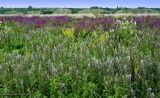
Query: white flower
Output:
(149,90)
(32,57)
(128,58)
(142,63)
(112,30)
(128,76)
(32,67)
(53,70)
(61,65)
(125,69)
(152,95)
(125,96)
(97,62)
(124,18)
(135,23)
(21,82)
(119,21)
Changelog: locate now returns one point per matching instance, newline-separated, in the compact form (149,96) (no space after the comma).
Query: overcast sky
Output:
(80,3)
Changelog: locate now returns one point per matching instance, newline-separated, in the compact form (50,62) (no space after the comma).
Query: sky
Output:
(81,3)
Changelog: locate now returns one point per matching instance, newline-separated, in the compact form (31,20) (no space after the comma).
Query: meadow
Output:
(86,57)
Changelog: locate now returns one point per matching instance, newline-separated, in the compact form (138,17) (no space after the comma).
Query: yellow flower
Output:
(107,35)
(99,38)
(93,45)
(94,34)
(103,38)
(69,32)
(28,55)
(94,41)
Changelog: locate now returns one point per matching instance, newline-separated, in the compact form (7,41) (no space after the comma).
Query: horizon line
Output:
(80,7)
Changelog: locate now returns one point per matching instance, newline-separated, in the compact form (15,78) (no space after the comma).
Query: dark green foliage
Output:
(121,10)
(46,12)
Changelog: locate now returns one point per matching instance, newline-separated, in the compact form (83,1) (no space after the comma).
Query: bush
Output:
(46,12)
(62,11)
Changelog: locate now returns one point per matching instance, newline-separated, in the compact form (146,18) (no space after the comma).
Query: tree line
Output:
(92,10)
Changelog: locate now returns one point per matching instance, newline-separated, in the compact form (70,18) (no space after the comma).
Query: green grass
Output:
(45,63)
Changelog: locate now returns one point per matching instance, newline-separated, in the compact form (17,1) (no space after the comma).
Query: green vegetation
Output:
(93,10)
(62,61)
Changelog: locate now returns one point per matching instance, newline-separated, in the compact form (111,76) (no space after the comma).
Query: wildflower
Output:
(119,21)
(29,72)
(154,24)
(128,58)
(135,23)
(142,63)
(62,87)
(61,66)
(149,90)
(125,18)
(152,95)
(103,37)
(109,61)
(28,55)
(39,67)
(32,67)
(32,57)
(53,70)
(93,45)
(80,26)
(87,54)
(112,30)
(132,92)
(116,78)
(69,32)
(129,78)
(38,49)
(96,62)
(125,96)
(21,82)
(117,60)
(139,23)
(125,69)
(18,58)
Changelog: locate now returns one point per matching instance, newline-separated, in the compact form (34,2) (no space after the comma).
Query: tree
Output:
(29,8)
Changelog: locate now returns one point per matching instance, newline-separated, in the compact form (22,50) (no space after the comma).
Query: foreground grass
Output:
(50,62)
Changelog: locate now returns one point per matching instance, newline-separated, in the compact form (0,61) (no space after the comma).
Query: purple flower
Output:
(155,23)
(139,22)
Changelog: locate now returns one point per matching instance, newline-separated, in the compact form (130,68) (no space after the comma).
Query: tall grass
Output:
(53,61)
